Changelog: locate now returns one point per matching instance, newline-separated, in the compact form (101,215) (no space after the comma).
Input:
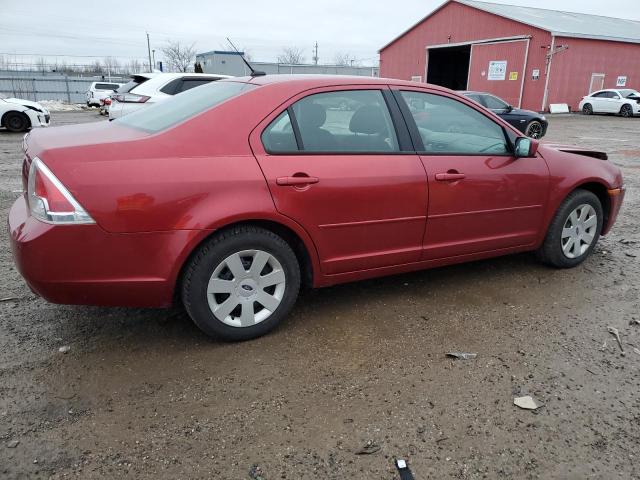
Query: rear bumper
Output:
(83,264)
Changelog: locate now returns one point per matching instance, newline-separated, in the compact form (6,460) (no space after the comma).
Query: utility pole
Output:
(149,50)
(315,55)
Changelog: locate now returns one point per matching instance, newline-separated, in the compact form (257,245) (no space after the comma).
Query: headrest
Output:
(368,119)
(311,115)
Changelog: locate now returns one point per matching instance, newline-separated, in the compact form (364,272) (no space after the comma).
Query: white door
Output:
(597,82)
(615,101)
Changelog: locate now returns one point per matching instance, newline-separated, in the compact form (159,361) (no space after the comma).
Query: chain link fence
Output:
(35,86)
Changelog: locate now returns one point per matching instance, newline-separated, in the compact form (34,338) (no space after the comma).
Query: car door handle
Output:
(449,176)
(296,181)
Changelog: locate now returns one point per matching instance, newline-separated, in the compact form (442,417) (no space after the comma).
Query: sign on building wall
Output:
(497,70)
(622,81)
(513,75)
(536,74)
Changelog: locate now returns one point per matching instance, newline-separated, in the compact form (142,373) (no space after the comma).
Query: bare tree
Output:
(291,56)
(345,59)
(41,65)
(179,57)
(111,65)
(135,66)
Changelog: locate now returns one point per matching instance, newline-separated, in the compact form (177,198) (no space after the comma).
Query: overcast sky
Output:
(262,28)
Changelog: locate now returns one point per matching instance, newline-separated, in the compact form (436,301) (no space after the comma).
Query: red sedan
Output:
(231,196)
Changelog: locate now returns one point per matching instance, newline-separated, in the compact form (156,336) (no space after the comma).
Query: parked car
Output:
(622,101)
(235,194)
(100,90)
(148,88)
(18,115)
(532,124)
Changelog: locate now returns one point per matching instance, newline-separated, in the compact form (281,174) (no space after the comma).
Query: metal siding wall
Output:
(406,56)
(513,53)
(571,69)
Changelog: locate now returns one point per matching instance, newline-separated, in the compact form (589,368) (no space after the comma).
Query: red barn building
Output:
(531,57)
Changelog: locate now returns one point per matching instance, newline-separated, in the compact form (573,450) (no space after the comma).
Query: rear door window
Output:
(494,103)
(279,136)
(355,121)
(189,83)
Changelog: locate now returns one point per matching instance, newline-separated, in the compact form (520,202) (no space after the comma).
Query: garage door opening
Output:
(449,66)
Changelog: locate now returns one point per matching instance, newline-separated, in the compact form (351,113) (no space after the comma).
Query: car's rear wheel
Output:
(587,109)
(241,283)
(574,230)
(626,111)
(16,122)
(534,129)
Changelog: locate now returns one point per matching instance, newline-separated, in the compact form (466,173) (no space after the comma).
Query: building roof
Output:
(559,23)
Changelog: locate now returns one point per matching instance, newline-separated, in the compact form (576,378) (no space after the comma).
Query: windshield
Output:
(163,115)
(629,93)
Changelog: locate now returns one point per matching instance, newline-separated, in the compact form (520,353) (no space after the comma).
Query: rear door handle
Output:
(449,176)
(296,181)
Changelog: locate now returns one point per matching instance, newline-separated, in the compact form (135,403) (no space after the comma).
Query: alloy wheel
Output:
(626,111)
(579,231)
(246,288)
(534,130)
(587,109)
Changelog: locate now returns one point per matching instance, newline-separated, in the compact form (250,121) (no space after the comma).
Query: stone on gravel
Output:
(369,448)
(13,443)
(527,403)
(462,355)
(64,349)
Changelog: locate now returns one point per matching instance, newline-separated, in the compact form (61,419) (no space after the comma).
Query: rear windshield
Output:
(106,86)
(163,115)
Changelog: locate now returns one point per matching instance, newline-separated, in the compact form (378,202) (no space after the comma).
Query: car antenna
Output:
(254,73)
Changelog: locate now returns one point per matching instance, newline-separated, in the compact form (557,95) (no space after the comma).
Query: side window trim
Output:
(296,130)
(405,143)
(415,134)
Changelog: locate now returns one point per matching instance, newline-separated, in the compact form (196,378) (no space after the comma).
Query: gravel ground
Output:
(143,394)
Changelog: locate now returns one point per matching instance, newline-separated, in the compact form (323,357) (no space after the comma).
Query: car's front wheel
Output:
(574,230)
(587,109)
(534,129)
(626,111)
(241,283)
(16,122)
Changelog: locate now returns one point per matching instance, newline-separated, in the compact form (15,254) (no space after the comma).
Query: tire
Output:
(626,111)
(212,266)
(16,122)
(534,130)
(587,109)
(561,249)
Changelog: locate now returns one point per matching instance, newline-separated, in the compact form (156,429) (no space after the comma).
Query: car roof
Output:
(313,81)
(178,75)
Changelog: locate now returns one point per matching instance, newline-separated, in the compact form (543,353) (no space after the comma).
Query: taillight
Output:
(49,200)
(130,98)
(107,101)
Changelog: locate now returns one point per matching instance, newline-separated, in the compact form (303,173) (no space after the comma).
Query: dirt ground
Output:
(143,394)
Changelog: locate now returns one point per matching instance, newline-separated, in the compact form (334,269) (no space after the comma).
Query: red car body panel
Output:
(156,197)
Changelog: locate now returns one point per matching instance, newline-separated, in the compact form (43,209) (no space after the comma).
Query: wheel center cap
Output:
(247,288)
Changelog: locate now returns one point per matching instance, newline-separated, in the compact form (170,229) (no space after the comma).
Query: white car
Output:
(99,91)
(624,101)
(18,115)
(149,88)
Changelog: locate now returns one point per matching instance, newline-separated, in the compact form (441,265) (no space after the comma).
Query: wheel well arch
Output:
(600,191)
(287,234)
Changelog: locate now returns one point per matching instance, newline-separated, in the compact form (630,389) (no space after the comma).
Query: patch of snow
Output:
(58,106)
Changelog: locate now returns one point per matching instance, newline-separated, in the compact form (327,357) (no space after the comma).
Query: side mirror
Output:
(525,147)
(509,108)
